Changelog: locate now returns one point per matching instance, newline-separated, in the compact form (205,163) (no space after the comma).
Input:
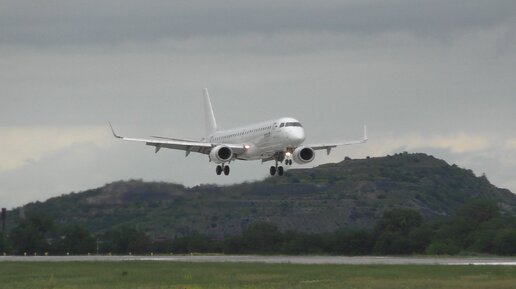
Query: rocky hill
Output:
(352,193)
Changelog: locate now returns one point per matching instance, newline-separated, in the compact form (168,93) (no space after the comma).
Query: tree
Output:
(396,233)
(352,242)
(420,238)
(399,220)
(505,242)
(261,237)
(479,210)
(196,243)
(442,248)
(3,244)
(75,239)
(33,234)
(299,243)
(126,240)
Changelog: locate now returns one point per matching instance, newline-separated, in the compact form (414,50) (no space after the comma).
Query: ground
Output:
(152,274)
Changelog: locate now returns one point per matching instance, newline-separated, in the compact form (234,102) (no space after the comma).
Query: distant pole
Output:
(4,216)
(98,246)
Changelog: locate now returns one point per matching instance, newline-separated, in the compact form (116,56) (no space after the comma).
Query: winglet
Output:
(365,133)
(113,131)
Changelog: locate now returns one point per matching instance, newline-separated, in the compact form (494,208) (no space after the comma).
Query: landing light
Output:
(288,154)
(247,146)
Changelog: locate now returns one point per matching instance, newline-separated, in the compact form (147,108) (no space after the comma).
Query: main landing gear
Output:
(279,158)
(276,169)
(222,168)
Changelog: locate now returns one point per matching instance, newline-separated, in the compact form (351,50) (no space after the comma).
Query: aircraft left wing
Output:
(180,144)
(329,146)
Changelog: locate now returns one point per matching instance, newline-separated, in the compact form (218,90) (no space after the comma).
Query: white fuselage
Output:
(263,140)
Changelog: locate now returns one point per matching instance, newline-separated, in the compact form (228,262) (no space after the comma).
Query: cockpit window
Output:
(282,124)
(293,124)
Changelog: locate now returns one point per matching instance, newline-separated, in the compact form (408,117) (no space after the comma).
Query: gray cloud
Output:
(414,71)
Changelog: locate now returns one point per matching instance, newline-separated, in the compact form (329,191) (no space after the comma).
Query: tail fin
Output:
(211,124)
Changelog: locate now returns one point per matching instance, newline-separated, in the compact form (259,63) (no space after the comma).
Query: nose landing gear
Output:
(288,156)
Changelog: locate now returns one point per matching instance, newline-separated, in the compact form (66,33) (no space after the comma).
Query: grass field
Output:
(137,274)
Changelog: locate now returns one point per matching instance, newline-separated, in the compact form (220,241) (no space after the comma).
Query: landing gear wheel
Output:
(288,162)
(226,170)
(273,171)
(218,170)
(280,171)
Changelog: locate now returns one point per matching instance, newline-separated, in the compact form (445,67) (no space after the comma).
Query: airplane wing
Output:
(180,144)
(329,146)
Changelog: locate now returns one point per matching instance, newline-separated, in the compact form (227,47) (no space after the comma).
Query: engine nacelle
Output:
(303,155)
(221,154)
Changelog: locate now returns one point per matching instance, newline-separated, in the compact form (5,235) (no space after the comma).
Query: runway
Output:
(359,260)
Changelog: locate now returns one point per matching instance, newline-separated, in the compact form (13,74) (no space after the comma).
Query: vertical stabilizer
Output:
(211,124)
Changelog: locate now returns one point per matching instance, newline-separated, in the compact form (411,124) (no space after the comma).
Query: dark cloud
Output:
(111,22)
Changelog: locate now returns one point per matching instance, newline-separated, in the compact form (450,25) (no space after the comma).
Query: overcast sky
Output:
(426,76)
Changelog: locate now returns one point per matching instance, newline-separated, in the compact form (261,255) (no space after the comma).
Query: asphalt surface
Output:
(365,260)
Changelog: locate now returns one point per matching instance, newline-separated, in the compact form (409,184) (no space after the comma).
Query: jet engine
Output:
(303,155)
(221,154)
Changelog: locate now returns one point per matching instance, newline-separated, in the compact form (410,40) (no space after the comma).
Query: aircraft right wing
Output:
(180,144)
(329,146)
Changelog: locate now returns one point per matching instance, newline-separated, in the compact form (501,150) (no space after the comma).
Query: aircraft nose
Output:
(297,135)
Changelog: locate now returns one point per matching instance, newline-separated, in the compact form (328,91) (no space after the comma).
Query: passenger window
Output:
(282,124)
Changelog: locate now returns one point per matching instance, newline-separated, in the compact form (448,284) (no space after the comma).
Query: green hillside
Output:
(352,193)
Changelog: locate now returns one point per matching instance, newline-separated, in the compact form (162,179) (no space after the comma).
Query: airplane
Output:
(280,140)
